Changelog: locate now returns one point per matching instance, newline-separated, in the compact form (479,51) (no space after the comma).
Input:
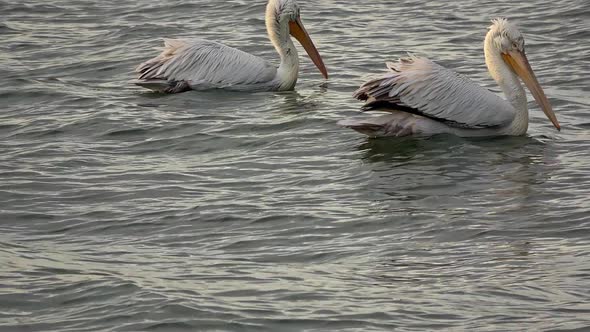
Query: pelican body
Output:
(201,64)
(423,98)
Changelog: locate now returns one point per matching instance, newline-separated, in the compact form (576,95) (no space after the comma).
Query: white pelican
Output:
(424,98)
(201,64)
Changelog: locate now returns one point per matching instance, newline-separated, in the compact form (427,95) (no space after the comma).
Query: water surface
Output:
(124,210)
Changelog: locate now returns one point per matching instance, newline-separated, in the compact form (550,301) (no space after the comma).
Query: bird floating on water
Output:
(424,98)
(201,64)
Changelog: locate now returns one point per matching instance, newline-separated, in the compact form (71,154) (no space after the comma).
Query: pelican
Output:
(423,98)
(201,64)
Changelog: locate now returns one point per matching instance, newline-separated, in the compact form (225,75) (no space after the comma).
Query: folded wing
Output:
(205,64)
(419,86)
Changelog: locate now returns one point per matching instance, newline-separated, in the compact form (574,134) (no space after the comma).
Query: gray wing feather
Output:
(203,63)
(420,86)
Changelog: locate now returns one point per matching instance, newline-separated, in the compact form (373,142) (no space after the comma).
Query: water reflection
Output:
(458,177)
(403,148)
(300,100)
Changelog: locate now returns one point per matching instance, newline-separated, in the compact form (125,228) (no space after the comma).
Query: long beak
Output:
(298,31)
(520,64)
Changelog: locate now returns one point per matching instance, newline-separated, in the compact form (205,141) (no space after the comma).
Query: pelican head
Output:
(509,42)
(283,19)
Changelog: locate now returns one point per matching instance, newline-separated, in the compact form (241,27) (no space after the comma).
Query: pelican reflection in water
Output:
(201,64)
(423,98)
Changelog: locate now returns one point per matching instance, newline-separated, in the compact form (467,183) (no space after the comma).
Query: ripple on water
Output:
(124,210)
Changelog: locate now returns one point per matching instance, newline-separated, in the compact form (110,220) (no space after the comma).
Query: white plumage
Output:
(425,98)
(201,64)
(439,93)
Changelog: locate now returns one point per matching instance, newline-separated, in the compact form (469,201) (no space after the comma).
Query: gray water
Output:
(124,210)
